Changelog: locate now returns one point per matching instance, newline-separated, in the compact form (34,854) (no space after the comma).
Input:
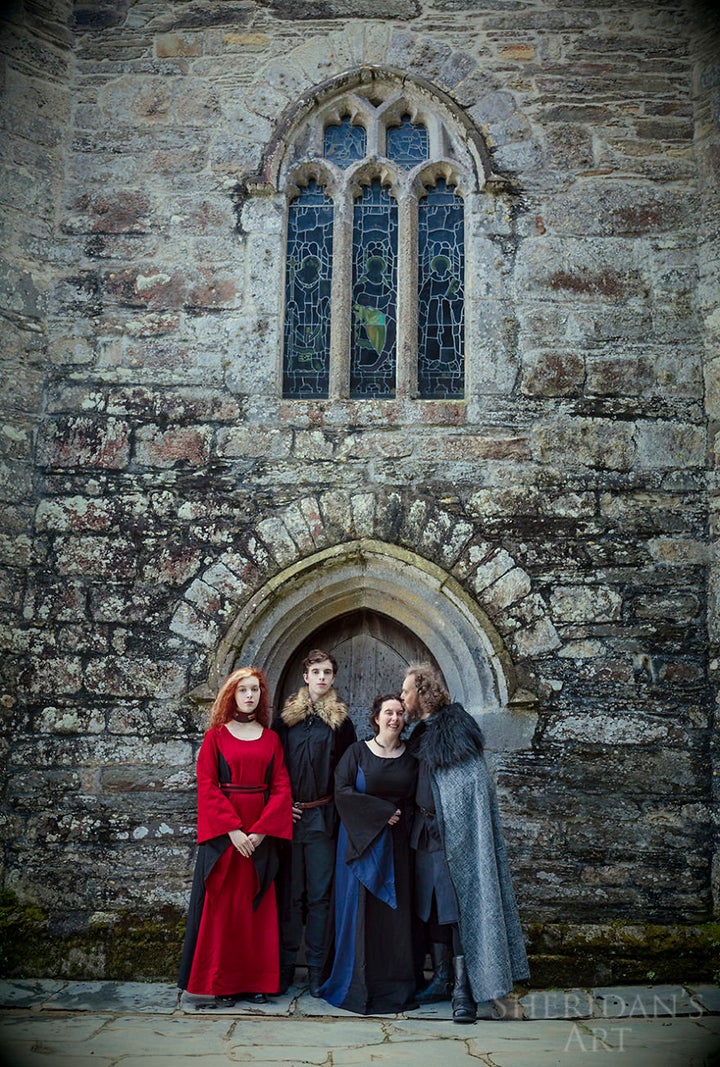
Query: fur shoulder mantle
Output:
(330,709)
(451,736)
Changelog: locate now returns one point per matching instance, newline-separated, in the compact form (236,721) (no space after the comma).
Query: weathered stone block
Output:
(615,730)
(669,444)
(97,556)
(337,515)
(582,604)
(66,671)
(491,566)
(247,442)
(536,640)
(509,588)
(18,291)
(363,513)
(54,598)
(297,526)
(598,443)
(170,563)
(187,445)
(152,287)
(680,606)
(277,540)
(177,45)
(75,513)
(54,720)
(123,212)
(555,373)
(85,442)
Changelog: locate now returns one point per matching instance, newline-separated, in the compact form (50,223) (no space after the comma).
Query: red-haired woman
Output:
(231,947)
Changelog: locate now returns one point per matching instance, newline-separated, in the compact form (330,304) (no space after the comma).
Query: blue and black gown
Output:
(373,969)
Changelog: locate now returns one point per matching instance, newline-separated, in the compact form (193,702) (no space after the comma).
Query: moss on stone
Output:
(147,948)
(131,948)
(23,933)
(619,951)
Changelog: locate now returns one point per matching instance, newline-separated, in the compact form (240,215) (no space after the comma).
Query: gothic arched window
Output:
(376,180)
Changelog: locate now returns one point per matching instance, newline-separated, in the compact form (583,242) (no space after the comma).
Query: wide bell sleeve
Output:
(343,737)
(216,814)
(363,816)
(275,819)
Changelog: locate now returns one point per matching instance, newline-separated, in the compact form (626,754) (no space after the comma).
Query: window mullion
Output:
(341,293)
(407,295)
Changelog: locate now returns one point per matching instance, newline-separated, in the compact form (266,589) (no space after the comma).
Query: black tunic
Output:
(312,751)
(373,963)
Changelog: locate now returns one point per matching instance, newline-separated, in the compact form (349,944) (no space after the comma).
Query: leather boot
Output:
(315,980)
(464,1008)
(287,976)
(440,985)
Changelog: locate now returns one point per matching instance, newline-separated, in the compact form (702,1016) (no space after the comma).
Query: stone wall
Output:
(157,486)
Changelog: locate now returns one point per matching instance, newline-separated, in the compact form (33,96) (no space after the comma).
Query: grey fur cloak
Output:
(450,742)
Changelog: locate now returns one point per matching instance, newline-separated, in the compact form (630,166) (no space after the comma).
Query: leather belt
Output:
(303,804)
(242,788)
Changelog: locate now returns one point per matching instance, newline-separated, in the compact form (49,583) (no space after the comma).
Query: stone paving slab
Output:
(658,1042)
(647,1002)
(28,993)
(708,996)
(31,1038)
(165,998)
(105,1024)
(140,997)
(558,1004)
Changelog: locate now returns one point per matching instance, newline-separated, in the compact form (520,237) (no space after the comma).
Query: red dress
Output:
(235,946)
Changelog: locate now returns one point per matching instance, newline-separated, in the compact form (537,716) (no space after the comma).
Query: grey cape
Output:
(450,743)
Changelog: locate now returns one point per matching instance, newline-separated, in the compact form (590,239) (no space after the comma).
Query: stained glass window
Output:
(344,144)
(441,294)
(307,294)
(364,232)
(407,144)
(374,294)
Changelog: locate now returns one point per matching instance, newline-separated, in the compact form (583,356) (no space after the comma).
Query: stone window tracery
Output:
(374,296)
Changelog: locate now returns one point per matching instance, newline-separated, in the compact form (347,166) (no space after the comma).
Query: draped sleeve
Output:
(363,816)
(216,814)
(275,818)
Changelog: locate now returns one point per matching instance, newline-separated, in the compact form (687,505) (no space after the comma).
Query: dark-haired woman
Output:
(231,943)
(372,968)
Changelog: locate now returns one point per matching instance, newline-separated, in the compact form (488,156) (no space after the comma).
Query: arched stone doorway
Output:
(405,603)
(372,651)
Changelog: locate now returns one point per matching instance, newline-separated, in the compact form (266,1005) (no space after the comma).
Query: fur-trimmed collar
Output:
(330,709)
(450,736)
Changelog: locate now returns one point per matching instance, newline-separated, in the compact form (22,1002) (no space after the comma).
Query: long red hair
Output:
(224,706)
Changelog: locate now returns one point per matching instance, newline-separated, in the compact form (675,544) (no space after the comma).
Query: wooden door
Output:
(372,652)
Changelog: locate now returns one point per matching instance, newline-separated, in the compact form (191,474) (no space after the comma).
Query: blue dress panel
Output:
(373,961)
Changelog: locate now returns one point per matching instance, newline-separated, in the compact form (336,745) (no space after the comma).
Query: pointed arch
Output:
(383,93)
(314,562)
(373,132)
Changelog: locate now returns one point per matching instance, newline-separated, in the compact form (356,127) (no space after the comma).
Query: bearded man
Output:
(464,891)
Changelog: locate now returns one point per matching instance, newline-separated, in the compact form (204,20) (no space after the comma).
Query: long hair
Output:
(377,705)
(431,689)
(224,706)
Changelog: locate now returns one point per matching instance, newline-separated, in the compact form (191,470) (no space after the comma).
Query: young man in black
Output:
(315,729)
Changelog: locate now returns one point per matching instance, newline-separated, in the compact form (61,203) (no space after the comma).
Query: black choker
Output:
(244,716)
(381,745)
